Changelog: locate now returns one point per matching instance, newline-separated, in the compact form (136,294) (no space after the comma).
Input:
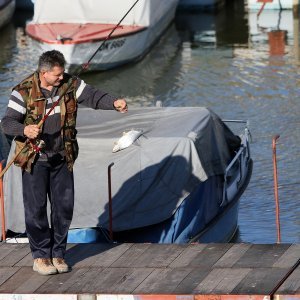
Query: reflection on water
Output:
(240,65)
(148,81)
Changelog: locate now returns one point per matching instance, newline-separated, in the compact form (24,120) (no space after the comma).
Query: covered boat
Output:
(77,29)
(179,182)
(7,9)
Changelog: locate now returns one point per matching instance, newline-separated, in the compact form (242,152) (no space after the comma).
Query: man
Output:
(48,153)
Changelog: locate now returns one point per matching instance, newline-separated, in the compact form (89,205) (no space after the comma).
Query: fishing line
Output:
(74,77)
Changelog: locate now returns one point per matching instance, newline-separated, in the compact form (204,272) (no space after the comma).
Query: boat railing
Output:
(239,161)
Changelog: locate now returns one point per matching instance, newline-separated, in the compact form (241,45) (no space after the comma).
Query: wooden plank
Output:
(289,257)
(15,255)
(191,281)
(260,281)
(232,255)
(291,285)
(162,281)
(130,280)
(98,282)
(188,255)
(60,283)
(6,273)
(210,255)
(6,249)
(26,261)
(96,255)
(87,284)
(261,256)
(33,280)
(221,281)
(157,255)
(128,259)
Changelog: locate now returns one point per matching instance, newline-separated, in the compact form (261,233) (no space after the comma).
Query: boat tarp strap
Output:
(179,149)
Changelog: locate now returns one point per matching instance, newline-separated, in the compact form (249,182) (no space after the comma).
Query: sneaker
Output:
(60,264)
(44,266)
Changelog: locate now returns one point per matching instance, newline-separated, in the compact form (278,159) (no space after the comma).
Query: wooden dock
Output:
(156,271)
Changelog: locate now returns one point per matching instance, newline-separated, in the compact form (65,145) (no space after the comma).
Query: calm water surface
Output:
(241,66)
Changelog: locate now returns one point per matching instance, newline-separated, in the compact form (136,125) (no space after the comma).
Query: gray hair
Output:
(50,59)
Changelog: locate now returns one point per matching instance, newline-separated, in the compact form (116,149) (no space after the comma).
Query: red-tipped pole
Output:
(2,206)
(275,138)
(110,203)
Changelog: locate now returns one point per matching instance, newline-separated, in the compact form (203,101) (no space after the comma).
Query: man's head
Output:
(51,67)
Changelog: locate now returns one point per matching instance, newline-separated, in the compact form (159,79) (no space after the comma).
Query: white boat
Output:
(268,21)
(77,30)
(272,29)
(272,4)
(7,9)
(201,4)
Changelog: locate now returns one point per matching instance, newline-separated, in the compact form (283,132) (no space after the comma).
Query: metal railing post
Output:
(110,203)
(275,138)
(3,227)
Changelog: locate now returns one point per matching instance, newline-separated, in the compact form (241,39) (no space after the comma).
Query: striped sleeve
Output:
(16,102)
(92,97)
(12,122)
(80,88)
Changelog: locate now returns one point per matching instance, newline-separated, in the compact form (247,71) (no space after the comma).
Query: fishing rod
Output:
(84,67)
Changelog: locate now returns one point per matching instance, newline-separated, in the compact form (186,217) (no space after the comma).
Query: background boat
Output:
(25,5)
(79,31)
(7,9)
(274,4)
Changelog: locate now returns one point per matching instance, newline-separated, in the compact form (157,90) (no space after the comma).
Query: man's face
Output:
(53,77)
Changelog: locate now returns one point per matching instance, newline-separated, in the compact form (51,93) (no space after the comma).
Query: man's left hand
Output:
(121,105)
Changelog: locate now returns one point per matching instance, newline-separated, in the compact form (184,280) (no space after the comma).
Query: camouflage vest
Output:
(36,107)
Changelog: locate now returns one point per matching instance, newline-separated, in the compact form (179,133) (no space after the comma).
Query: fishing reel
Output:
(38,145)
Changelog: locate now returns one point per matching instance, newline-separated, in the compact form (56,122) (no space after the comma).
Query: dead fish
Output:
(127,139)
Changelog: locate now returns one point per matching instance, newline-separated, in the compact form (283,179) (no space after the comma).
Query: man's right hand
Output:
(31,131)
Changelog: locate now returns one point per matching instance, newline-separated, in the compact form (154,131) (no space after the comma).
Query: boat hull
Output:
(25,5)
(223,228)
(208,214)
(6,12)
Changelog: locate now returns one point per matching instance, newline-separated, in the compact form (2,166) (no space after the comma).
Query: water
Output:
(232,62)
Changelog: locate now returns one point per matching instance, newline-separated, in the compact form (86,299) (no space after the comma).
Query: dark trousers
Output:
(50,178)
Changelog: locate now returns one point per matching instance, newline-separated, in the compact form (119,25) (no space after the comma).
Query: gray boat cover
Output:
(179,148)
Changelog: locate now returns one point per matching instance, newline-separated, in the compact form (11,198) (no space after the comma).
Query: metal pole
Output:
(2,207)
(110,203)
(275,138)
